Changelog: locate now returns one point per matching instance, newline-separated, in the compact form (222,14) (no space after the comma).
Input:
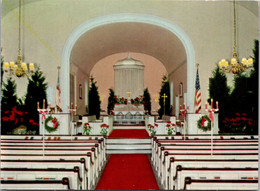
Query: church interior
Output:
(129,95)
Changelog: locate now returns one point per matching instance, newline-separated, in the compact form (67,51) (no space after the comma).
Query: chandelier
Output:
(19,69)
(235,67)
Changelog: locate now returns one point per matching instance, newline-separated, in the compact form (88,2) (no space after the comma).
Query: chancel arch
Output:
(110,34)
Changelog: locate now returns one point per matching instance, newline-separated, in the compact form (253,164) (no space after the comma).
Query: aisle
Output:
(128,172)
(129,133)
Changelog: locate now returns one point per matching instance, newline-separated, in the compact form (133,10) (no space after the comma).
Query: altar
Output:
(128,113)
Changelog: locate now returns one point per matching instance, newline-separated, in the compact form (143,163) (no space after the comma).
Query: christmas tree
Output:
(36,92)
(219,91)
(8,102)
(165,108)
(111,102)
(94,99)
(147,101)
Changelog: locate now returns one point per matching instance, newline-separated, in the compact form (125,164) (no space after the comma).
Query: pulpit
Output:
(62,120)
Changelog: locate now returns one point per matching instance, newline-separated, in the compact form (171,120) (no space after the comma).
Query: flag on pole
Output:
(58,93)
(197,102)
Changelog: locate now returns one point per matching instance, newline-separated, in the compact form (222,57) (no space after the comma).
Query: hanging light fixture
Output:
(19,69)
(235,67)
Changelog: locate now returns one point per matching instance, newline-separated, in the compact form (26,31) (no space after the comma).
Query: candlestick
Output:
(217,104)
(43,104)
(211,103)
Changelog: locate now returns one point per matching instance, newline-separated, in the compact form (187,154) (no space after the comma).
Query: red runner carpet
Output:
(129,133)
(128,172)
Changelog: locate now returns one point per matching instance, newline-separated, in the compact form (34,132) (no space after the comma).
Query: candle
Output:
(206,105)
(180,107)
(217,104)
(71,107)
(43,103)
(38,106)
(49,106)
(211,103)
(184,106)
(76,106)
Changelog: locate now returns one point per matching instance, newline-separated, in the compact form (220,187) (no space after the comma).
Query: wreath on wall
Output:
(54,124)
(204,123)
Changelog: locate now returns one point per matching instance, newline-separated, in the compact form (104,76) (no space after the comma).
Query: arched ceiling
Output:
(114,38)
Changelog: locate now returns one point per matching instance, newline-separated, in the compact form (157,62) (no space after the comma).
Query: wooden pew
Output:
(211,173)
(44,174)
(197,184)
(205,163)
(62,184)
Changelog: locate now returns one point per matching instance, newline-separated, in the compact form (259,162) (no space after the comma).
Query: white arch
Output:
(123,18)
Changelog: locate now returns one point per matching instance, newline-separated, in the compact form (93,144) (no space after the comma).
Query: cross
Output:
(129,93)
(164,97)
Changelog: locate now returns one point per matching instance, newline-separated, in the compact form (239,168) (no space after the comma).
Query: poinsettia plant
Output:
(16,117)
(240,122)
(87,129)
(153,129)
(104,128)
(137,101)
(121,100)
(170,127)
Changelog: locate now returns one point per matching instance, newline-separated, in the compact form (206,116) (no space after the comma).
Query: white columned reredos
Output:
(128,18)
(129,78)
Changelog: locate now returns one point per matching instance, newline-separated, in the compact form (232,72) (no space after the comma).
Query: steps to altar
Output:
(128,127)
(128,146)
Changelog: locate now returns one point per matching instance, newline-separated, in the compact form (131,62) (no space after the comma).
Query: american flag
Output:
(197,102)
(58,93)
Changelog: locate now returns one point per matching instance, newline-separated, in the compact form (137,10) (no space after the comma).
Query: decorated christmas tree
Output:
(94,99)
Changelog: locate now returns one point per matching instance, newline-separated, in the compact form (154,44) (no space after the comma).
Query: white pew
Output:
(204,163)
(195,184)
(212,173)
(63,184)
(163,173)
(36,164)
(44,174)
(91,175)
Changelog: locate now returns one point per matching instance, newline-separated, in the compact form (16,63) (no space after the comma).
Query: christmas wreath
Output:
(54,122)
(204,123)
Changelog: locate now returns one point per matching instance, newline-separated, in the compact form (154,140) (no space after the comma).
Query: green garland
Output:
(51,128)
(206,127)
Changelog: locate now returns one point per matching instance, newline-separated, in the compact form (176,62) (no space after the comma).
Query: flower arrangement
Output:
(152,129)
(104,128)
(137,101)
(87,129)
(204,123)
(121,100)
(54,124)
(170,128)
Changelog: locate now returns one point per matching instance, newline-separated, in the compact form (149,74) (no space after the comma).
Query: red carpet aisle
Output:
(128,172)
(129,133)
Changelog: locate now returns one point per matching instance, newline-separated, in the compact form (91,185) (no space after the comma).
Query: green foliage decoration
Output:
(165,89)
(147,101)
(94,99)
